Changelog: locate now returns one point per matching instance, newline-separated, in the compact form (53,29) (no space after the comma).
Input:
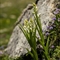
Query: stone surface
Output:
(18,43)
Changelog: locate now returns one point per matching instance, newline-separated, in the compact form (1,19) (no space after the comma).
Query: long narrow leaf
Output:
(24,32)
(30,53)
(47,44)
(35,54)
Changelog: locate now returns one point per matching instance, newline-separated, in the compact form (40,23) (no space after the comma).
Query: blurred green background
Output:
(10,10)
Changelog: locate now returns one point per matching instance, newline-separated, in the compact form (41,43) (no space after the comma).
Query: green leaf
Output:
(35,54)
(47,45)
(30,53)
(24,32)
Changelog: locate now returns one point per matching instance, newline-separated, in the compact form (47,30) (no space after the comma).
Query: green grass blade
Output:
(35,54)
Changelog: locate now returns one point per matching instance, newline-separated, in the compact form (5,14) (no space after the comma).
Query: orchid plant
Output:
(48,44)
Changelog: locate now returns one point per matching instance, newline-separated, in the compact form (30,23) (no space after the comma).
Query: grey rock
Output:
(18,43)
